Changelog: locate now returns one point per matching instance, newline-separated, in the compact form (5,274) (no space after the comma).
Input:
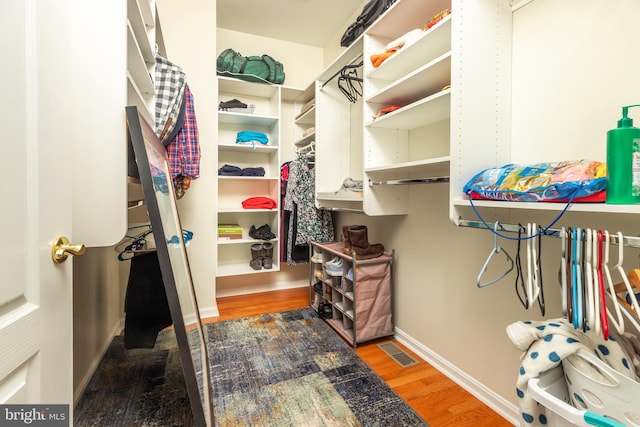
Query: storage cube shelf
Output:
(362,307)
(234,255)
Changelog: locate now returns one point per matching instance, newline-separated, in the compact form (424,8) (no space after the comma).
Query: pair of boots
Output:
(261,256)
(356,242)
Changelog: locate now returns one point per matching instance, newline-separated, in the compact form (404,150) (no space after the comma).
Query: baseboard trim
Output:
(94,364)
(506,409)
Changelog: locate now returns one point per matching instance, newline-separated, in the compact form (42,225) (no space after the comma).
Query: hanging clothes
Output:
(170,82)
(184,150)
(306,221)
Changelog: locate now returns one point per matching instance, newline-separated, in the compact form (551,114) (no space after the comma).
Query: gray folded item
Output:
(351,184)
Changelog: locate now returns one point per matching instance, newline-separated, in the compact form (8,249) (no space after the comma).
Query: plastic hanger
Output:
(495,251)
(576,279)
(618,323)
(625,280)
(562,272)
(590,302)
(604,323)
(569,295)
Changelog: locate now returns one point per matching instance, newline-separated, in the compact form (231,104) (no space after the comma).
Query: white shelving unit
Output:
(234,255)
(516,89)
(416,78)
(142,33)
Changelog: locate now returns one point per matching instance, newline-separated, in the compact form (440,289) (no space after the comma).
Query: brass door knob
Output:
(62,249)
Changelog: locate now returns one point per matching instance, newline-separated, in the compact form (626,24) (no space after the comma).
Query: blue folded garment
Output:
(249,136)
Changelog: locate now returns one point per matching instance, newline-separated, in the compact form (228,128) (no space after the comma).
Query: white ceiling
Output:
(310,22)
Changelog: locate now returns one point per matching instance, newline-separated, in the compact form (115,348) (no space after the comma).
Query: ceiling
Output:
(309,22)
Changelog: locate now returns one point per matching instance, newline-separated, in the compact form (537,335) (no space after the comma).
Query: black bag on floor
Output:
(370,13)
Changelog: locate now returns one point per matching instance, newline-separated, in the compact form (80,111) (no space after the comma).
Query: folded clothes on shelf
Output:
(232,170)
(236,106)
(259,202)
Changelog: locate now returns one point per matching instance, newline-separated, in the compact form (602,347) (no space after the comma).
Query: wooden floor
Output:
(437,399)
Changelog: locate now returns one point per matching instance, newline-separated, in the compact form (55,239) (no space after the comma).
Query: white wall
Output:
(194,51)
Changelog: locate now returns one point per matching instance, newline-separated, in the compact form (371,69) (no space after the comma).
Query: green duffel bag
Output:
(261,69)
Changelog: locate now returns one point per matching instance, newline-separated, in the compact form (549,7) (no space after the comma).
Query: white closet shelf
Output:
(241,87)
(147,14)
(256,119)
(435,166)
(245,241)
(306,140)
(247,178)
(308,117)
(139,29)
(411,13)
(136,65)
(426,80)
(247,211)
(247,148)
(243,268)
(433,43)
(421,113)
(552,206)
(136,98)
(342,196)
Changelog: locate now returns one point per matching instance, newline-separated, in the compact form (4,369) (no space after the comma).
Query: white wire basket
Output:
(585,392)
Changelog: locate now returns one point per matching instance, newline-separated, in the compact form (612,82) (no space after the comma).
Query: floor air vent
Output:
(397,354)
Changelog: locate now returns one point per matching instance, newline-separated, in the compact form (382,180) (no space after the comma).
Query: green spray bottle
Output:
(623,161)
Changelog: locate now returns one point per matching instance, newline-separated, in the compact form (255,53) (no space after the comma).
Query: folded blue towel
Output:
(248,136)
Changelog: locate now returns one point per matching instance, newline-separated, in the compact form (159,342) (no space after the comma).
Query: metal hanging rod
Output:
(353,61)
(628,241)
(343,209)
(430,180)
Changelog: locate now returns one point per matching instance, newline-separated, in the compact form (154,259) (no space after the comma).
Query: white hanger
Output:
(625,279)
(594,280)
(496,250)
(619,324)
(563,271)
(588,282)
(534,262)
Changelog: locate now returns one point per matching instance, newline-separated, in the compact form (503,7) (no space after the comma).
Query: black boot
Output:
(257,253)
(267,258)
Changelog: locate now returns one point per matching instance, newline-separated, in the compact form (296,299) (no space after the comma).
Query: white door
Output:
(35,293)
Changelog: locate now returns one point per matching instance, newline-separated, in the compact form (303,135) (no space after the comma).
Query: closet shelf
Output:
(308,117)
(434,166)
(433,43)
(247,211)
(406,14)
(137,66)
(245,241)
(241,87)
(257,119)
(551,206)
(225,270)
(139,29)
(246,148)
(345,197)
(421,113)
(247,178)
(424,81)
(306,140)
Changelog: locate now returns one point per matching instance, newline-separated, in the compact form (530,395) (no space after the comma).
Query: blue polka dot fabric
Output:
(545,344)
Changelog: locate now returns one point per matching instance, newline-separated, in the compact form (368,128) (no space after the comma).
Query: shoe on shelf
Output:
(334,268)
(350,274)
(317,256)
(261,233)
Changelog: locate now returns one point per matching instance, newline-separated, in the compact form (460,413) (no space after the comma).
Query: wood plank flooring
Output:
(436,398)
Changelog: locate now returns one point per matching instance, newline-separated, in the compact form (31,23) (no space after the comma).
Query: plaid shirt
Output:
(184,150)
(169,83)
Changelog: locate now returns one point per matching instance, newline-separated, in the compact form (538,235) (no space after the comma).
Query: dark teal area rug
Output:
(280,369)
